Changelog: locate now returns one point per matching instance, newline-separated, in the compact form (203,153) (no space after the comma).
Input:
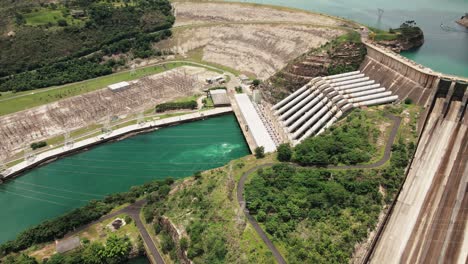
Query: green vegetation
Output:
(256,82)
(116,250)
(259,152)
(14,102)
(39,144)
(58,227)
(284,152)
(319,215)
(205,207)
(208,102)
(192,104)
(407,31)
(349,143)
(51,48)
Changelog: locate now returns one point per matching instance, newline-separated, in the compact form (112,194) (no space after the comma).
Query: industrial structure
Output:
(318,104)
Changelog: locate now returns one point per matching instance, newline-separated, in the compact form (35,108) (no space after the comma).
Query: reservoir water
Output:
(60,186)
(446,46)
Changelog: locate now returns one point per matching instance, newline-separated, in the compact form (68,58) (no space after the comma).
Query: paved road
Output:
(133,211)
(240,186)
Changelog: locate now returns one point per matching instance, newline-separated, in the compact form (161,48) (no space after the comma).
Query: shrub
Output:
(62,23)
(284,152)
(408,101)
(256,82)
(176,105)
(197,175)
(37,145)
(260,152)
(183,243)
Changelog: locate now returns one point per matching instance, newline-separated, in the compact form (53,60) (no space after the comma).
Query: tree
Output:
(62,23)
(284,152)
(21,259)
(256,82)
(117,249)
(197,175)
(260,152)
(408,101)
(91,253)
(183,243)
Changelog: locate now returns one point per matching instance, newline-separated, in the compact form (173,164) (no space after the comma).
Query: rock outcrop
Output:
(463,20)
(404,42)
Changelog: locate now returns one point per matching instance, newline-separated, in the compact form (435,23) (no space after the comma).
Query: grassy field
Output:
(47,16)
(14,102)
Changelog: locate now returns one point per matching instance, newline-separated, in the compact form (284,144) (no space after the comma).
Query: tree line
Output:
(60,226)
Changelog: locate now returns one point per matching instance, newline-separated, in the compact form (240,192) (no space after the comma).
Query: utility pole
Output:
(28,155)
(68,140)
(141,118)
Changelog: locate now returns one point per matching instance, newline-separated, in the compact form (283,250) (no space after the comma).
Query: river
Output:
(68,183)
(445,49)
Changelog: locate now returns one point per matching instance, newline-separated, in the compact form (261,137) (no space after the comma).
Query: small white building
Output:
(244,79)
(220,97)
(118,86)
(219,79)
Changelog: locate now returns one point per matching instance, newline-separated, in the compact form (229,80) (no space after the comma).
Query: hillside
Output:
(312,215)
(61,42)
(341,54)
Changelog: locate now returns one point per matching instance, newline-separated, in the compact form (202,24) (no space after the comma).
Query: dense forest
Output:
(57,43)
(351,143)
(319,215)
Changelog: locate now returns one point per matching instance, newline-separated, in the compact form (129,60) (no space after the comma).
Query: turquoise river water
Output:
(67,183)
(446,46)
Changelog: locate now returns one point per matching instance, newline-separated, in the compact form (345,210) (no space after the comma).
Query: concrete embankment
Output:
(117,134)
(400,76)
(428,221)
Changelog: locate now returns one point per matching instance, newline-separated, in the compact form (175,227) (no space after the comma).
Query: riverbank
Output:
(117,134)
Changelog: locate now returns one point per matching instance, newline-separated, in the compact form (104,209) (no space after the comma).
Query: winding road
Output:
(133,211)
(241,185)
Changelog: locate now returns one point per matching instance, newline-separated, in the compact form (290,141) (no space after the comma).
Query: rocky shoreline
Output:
(463,20)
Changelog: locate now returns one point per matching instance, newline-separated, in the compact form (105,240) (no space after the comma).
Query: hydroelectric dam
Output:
(428,221)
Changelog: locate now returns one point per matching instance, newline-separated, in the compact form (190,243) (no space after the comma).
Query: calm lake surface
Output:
(68,183)
(445,50)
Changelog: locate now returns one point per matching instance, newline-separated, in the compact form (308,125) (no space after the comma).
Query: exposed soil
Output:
(189,13)
(261,49)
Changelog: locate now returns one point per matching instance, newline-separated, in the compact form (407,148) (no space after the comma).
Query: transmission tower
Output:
(381,12)
(107,129)
(28,154)
(68,140)
(133,70)
(141,118)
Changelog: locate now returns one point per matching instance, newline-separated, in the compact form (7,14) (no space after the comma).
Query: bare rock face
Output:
(463,20)
(329,59)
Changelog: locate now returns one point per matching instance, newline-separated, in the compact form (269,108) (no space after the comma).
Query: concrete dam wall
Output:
(428,223)
(399,76)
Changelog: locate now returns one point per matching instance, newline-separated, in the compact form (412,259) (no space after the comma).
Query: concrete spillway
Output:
(321,102)
(428,223)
